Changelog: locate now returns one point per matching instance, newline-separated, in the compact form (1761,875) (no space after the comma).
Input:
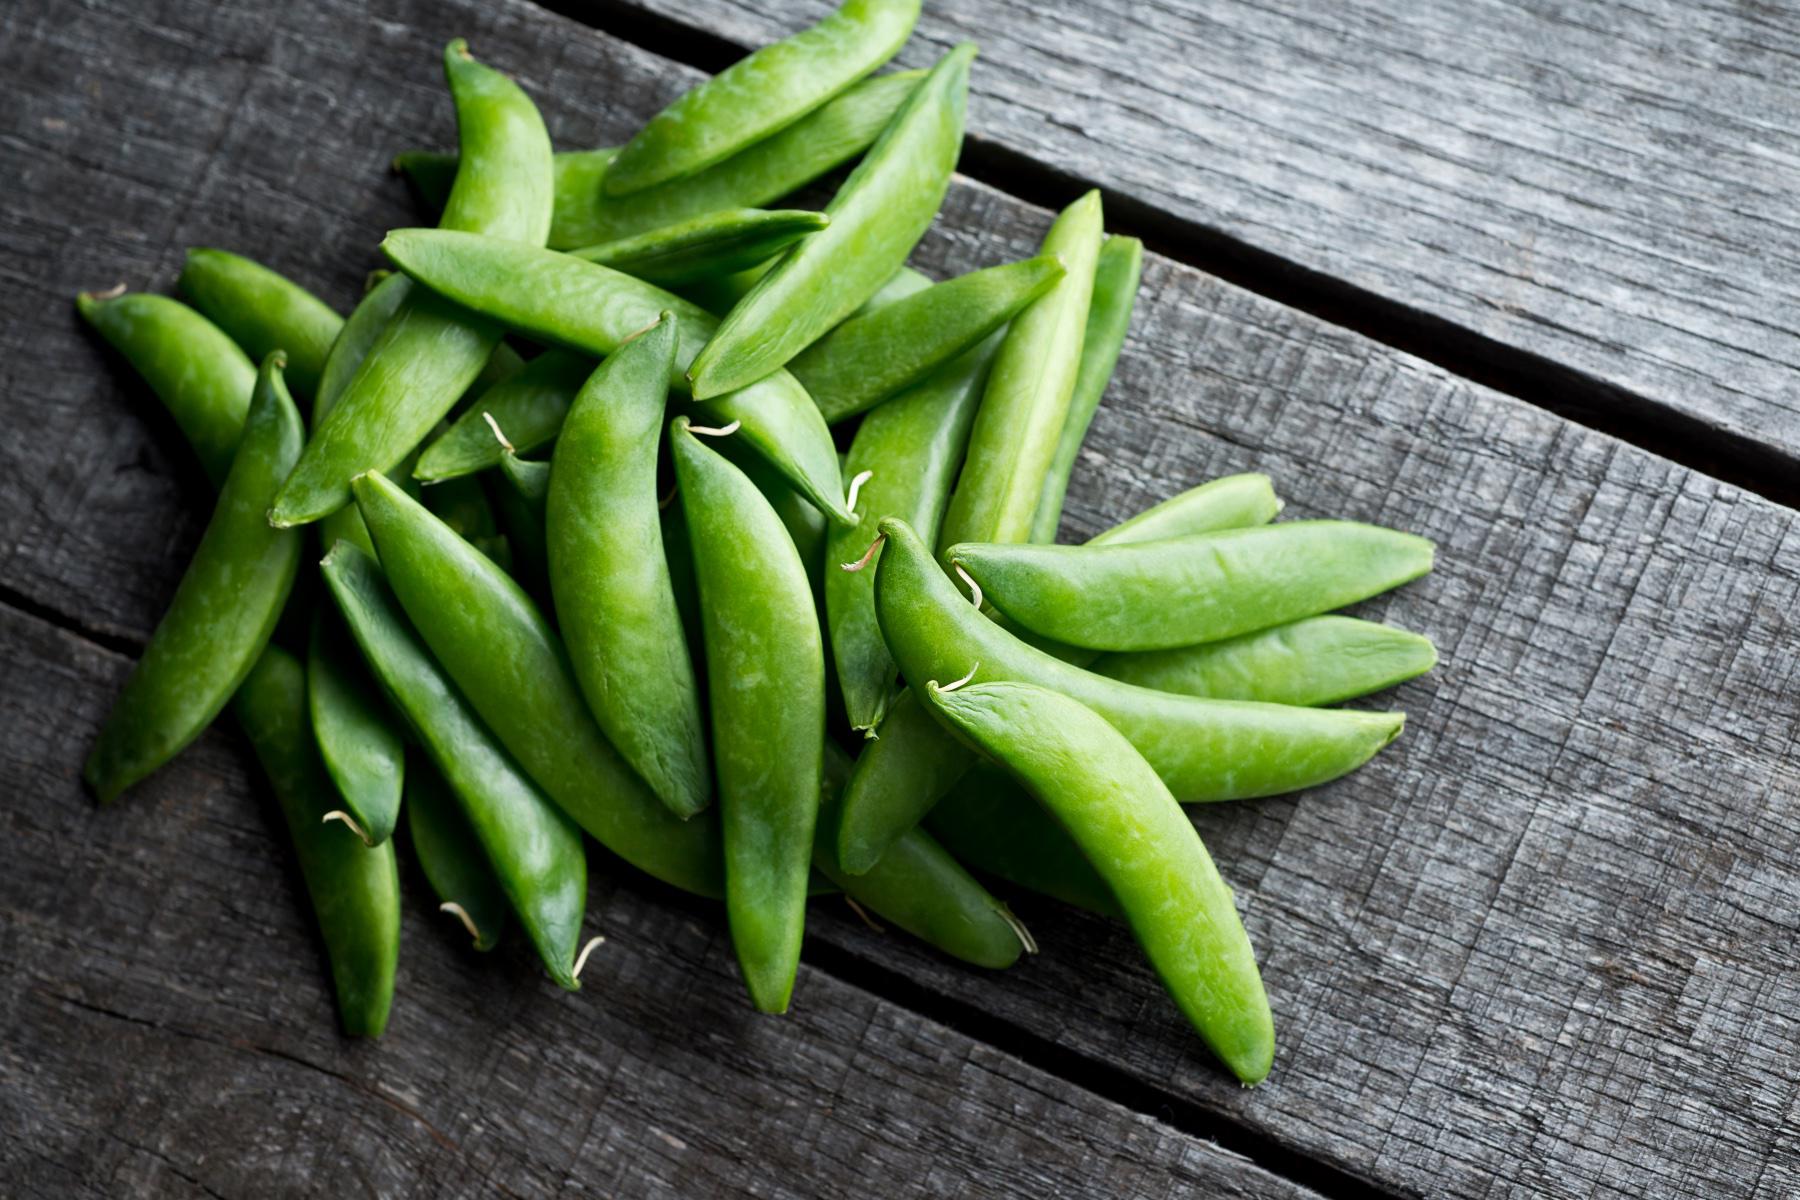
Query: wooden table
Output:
(1546,945)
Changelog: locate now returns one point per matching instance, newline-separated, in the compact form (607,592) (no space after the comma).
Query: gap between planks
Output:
(1555,387)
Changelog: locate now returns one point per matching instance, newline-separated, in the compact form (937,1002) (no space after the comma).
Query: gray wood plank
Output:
(166,1029)
(1608,186)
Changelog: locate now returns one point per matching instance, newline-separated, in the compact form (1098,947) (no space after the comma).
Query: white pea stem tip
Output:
(338,814)
(712,431)
(862,477)
(974,588)
(462,914)
(499,434)
(581,959)
(951,687)
(867,556)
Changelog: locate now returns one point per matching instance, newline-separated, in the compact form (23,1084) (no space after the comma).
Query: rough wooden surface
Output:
(1608,186)
(1542,946)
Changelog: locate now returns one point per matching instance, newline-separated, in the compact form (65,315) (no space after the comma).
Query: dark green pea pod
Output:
(678,552)
(263,312)
(1028,392)
(192,365)
(503,655)
(913,763)
(529,407)
(767,670)
(994,825)
(452,858)
(905,455)
(716,243)
(519,499)
(610,579)
(877,217)
(528,479)
(430,352)
(355,889)
(361,750)
(1114,805)
(462,504)
(593,309)
(224,609)
(761,94)
(1109,318)
(534,849)
(871,357)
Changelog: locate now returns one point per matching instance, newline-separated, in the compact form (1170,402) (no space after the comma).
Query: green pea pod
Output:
(534,849)
(994,825)
(360,749)
(914,763)
(451,855)
(1100,788)
(805,525)
(715,243)
(263,312)
(1028,393)
(529,479)
(360,331)
(355,889)
(430,351)
(877,217)
(761,94)
(1116,275)
(610,580)
(463,505)
(768,709)
(529,407)
(192,365)
(519,499)
(584,306)
(575,175)
(906,453)
(869,358)
(503,655)
(223,612)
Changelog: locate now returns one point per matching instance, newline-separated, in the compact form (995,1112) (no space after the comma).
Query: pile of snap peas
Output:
(714,533)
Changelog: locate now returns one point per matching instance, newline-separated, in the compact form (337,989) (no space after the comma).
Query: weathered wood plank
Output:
(1608,186)
(166,1029)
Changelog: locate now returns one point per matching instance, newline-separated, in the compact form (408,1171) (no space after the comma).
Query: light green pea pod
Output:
(263,312)
(359,746)
(530,407)
(358,335)
(452,858)
(716,243)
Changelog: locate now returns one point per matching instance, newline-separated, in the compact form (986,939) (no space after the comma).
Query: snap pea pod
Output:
(360,748)
(595,310)
(1200,588)
(918,886)
(224,609)
(869,358)
(533,848)
(993,824)
(761,94)
(529,407)
(715,243)
(877,217)
(1027,398)
(193,366)
(610,580)
(760,174)
(529,479)
(1116,275)
(519,499)
(431,351)
(914,763)
(906,453)
(263,311)
(804,523)
(358,335)
(355,889)
(452,858)
(503,655)
(1100,788)
(767,670)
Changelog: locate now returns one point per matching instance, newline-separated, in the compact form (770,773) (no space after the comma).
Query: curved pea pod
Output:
(1318,660)
(361,751)
(224,609)
(761,94)
(871,357)
(355,889)
(1116,274)
(715,243)
(534,849)
(583,306)
(1100,789)
(529,408)
(994,825)
(193,366)
(263,311)
(877,217)
(913,762)
(503,655)
(431,351)
(575,175)
(906,453)
(452,858)
(1026,403)
(610,579)
(1182,591)
(767,693)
